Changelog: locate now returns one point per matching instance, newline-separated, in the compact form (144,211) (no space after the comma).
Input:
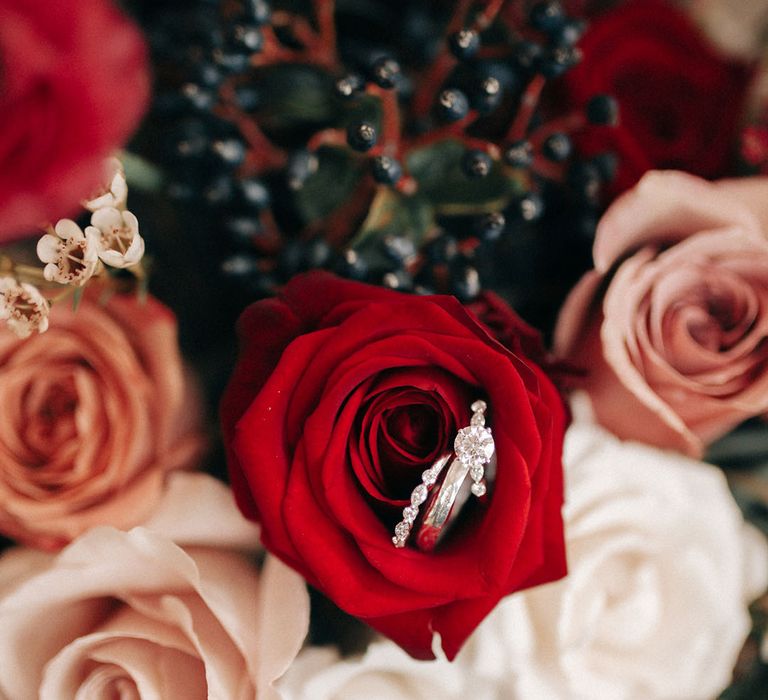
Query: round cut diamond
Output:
(429,477)
(476,473)
(474,445)
(479,406)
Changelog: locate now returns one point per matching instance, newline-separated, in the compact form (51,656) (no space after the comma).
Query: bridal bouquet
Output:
(274,425)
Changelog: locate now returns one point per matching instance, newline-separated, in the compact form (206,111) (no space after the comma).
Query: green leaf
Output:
(140,173)
(297,96)
(393,213)
(437,169)
(337,175)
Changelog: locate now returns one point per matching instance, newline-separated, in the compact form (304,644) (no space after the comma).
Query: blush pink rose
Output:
(671,327)
(95,412)
(157,612)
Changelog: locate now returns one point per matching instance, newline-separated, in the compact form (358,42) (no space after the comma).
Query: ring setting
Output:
(474,448)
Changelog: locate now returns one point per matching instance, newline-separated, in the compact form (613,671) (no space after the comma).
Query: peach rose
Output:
(95,412)
(135,615)
(671,327)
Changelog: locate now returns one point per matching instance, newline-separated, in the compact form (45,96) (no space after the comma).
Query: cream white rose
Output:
(136,616)
(661,568)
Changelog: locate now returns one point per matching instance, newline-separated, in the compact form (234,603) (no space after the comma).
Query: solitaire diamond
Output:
(474,445)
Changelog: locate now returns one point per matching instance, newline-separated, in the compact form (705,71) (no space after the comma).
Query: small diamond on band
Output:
(418,496)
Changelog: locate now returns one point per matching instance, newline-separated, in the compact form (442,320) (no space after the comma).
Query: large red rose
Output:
(680,101)
(74,84)
(343,394)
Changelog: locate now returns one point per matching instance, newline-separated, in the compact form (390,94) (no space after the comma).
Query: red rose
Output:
(343,394)
(680,101)
(74,84)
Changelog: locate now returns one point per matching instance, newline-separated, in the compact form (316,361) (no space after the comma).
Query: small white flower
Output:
(71,254)
(22,307)
(114,193)
(117,237)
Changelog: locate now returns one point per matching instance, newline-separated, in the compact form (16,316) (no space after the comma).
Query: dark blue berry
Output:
(242,230)
(491,226)
(246,37)
(255,193)
(464,43)
(386,170)
(351,265)
(519,154)
(558,60)
(349,85)
(300,167)
(441,250)
(361,136)
(465,283)
(257,11)
(235,62)
(547,15)
(385,72)
(397,279)
(203,73)
(219,191)
(527,54)
(400,249)
(585,182)
(530,207)
(452,105)
(487,95)
(240,266)
(229,151)
(569,33)
(557,147)
(248,98)
(317,254)
(603,110)
(476,163)
(606,164)
(197,97)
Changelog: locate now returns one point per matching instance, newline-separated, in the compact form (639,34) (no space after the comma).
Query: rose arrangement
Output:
(376,192)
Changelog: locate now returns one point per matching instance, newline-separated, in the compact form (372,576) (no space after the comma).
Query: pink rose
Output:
(95,412)
(671,326)
(74,85)
(151,613)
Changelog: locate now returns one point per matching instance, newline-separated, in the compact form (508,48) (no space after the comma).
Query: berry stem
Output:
(389,143)
(324,13)
(528,104)
(485,18)
(567,124)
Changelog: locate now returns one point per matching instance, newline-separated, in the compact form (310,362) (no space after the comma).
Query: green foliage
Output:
(437,169)
(337,175)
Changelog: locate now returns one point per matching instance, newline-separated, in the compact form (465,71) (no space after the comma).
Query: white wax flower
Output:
(661,569)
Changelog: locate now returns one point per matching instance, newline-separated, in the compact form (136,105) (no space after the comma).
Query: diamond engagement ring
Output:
(474,448)
(418,496)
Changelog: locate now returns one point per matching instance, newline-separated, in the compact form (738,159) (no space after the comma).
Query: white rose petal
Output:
(661,569)
(384,672)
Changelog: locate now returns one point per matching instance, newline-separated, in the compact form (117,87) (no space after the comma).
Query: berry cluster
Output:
(406,147)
